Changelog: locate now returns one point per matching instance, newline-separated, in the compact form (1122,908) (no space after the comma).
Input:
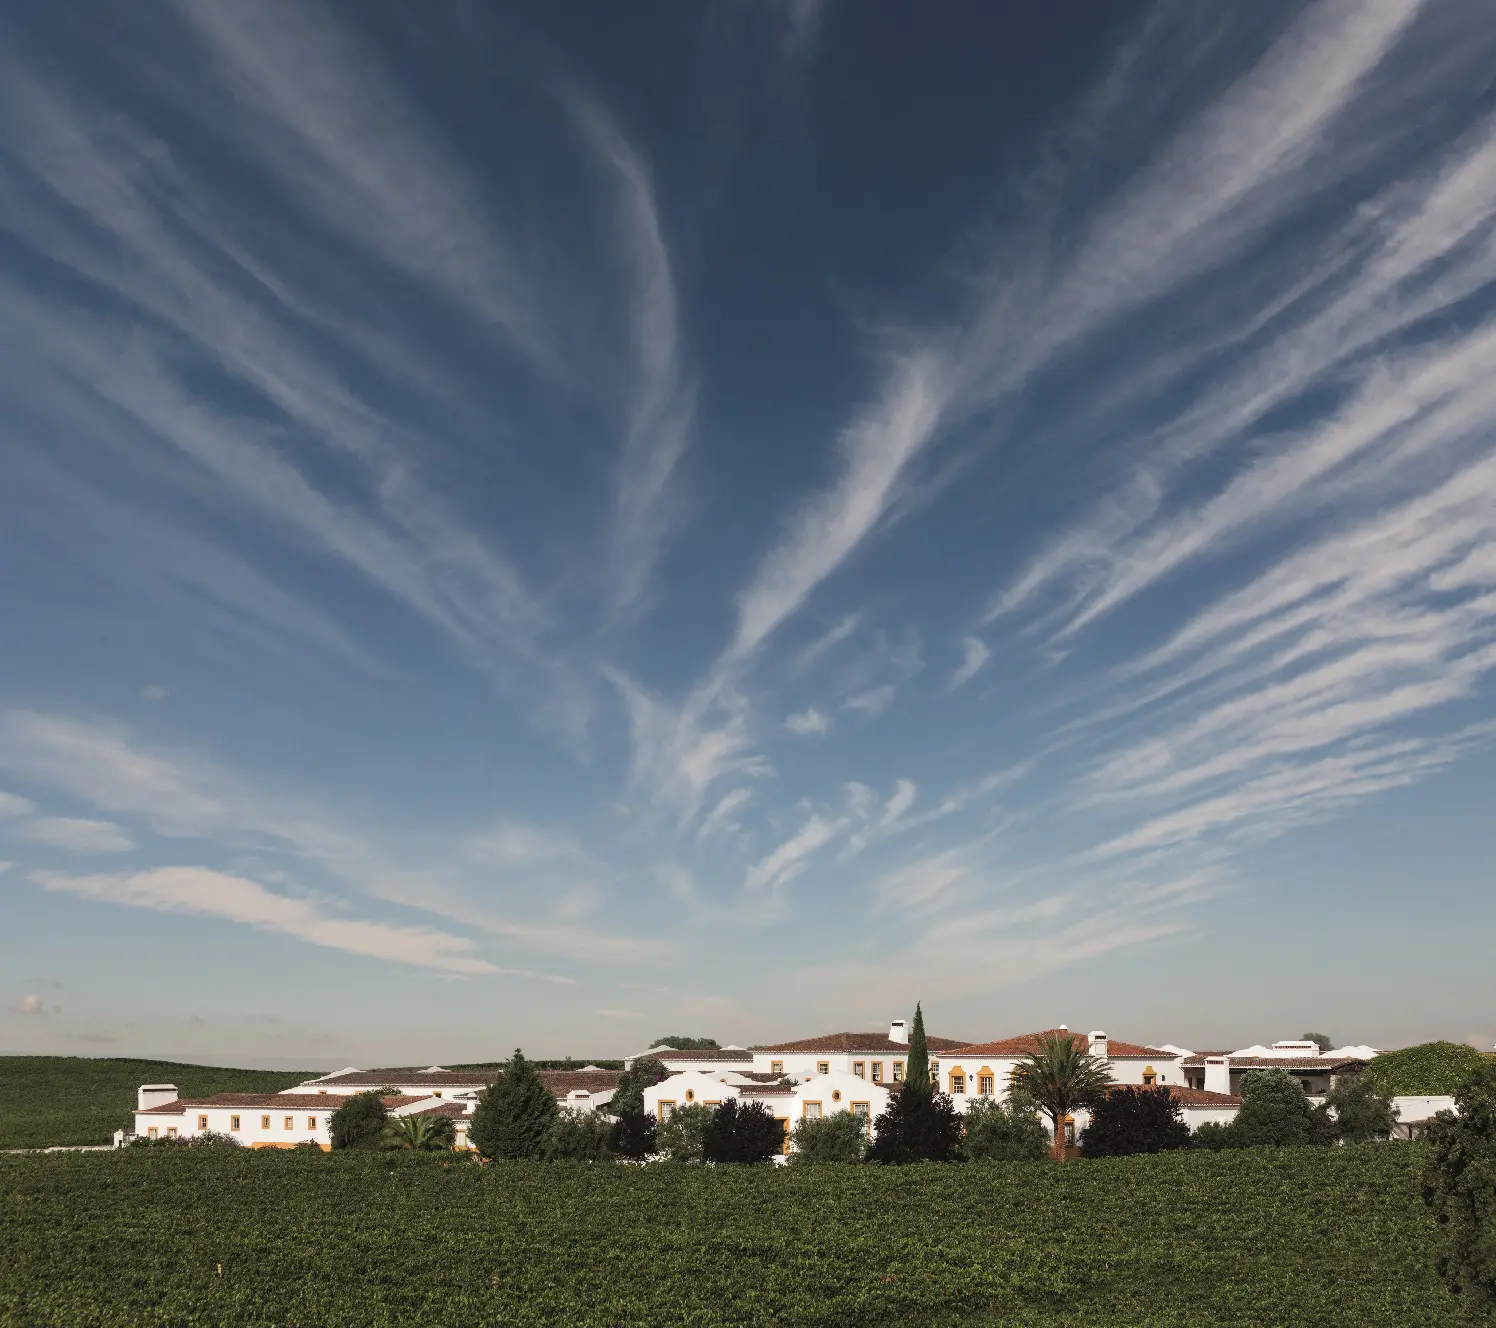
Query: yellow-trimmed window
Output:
(935,1072)
(202,1122)
(152,1132)
(898,1072)
(823,1067)
(290,1123)
(784,1124)
(264,1122)
(1150,1077)
(958,1082)
(233,1122)
(665,1109)
(437,1093)
(811,1111)
(877,1072)
(776,1067)
(171,1131)
(311,1122)
(985,1085)
(859,1068)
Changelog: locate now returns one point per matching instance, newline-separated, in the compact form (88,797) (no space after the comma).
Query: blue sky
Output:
(550,527)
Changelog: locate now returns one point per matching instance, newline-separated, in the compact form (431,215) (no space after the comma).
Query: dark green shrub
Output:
(1216,1135)
(633,1136)
(359,1122)
(1008,1131)
(1361,1112)
(580,1136)
(743,1133)
(681,1136)
(628,1096)
(1430,1069)
(1275,1110)
(515,1115)
(839,1137)
(1135,1120)
(1459,1186)
(917,1127)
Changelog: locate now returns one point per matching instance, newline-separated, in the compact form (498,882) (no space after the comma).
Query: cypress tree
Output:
(514,1116)
(917,1065)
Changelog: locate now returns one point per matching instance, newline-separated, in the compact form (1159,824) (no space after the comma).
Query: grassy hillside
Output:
(1429,1069)
(48,1100)
(1324,1236)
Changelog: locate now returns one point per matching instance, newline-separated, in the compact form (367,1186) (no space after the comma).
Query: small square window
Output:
(264,1122)
(665,1109)
(984,1085)
(859,1069)
(823,1067)
(958,1083)
(311,1122)
(776,1067)
(898,1072)
(152,1133)
(171,1131)
(877,1072)
(233,1122)
(202,1122)
(812,1111)
(290,1122)
(437,1093)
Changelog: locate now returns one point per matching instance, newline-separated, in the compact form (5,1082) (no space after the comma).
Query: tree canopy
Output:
(742,1132)
(633,1136)
(1320,1040)
(916,1127)
(686,1043)
(417,1134)
(514,1116)
(1061,1076)
(580,1136)
(917,1062)
(1135,1120)
(1459,1186)
(681,1136)
(1362,1112)
(839,1137)
(358,1122)
(628,1095)
(1007,1131)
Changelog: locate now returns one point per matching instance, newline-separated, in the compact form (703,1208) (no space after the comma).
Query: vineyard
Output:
(1258,1236)
(51,1100)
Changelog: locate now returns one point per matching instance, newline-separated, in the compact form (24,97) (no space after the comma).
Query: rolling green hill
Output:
(50,1100)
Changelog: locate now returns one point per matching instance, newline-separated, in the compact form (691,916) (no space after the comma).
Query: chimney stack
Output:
(898,1031)
(1217,1074)
(153,1095)
(1098,1045)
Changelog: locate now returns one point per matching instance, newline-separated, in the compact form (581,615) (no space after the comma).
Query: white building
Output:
(1222,1071)
(877,1058)
(257,1120)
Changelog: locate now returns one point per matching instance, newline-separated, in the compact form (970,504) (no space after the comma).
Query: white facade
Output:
(256,1120)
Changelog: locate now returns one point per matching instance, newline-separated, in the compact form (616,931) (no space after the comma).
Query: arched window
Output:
(1150,1077)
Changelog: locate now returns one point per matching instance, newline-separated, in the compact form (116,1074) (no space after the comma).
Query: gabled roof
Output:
(711,1054)
(396,1077)
(871,1044)
(1025,1043)
(562,1082)
(264,1101)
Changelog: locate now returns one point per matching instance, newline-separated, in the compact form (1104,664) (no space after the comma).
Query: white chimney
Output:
(153,1095)
(1218,1074)
(1098,1045)
(898,1031)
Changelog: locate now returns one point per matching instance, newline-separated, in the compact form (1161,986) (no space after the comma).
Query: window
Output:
(311,1122)
(898,1072)
(1150,1077)
(862,1109)
(784,1124)
(233,1122)
(202,1122)
(437,1093)
(859,1069)
(812,1111)
(823,1067)
(152,1132)
(171,1131)
(877,1072)
(836,1095)
(690,1095)
(958,1082)
(1069,1131)
(665,1109)
(776,1067)
(935,1072)
(984,1085)
(264,1122)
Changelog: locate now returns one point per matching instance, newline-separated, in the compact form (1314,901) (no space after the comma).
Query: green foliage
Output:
(1007,1131)
(359,1122)
(633,1136)
(1275,1111)
(1333,1237)
(417,1134)
(916,1127)
(1135,1120)
(686,1043)
(1217,1135)
(1362,1112)
(515,1115)
(46,1101)
(628,1096)
(742,1133)
(1431,1069)
(580,1136)
(839,1137)
(1061,1076)
(1320,1040)
(1460,1188)
(917,1063)
(681,1136)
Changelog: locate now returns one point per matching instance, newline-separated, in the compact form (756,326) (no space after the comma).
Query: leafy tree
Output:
(742,1132)
(1216,1135)
(1362,1113)
(628,1096)
(1430,1069)
(1060,1075)
(212,1139)
(633,1136)
(1135,1120)
(358,1122)
(916,1127)
(686,1043)
(917,1063)
(514,1116)
(681,1136)
(1003,1131)
(1320,1040)
(1275,1110)
(417,1134)
(580,1136)
(839,1137)
(1459,1185)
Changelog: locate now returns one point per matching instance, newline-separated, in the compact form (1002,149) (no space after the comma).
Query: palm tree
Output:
(1060,1075)
(425,1133)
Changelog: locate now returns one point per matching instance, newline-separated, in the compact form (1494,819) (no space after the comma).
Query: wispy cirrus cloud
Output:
(975,655)
(73,834)
(809,722)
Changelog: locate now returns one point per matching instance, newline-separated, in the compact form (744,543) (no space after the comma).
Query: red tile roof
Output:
(872,1044)
(1199,1097)
(452,1110)
(561,1082)
(1329,1064)
(699,1054)
(285,1101)
(1026,1043)
(419,1078)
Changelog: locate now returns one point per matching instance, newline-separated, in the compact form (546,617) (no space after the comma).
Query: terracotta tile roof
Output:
(1199,1097)
(285,1101)
(699,1054)
(397,1077)
(765,1090)
(1329,1064)
(871,1044)
(451,1110)
(561,1082)
(1025,1043)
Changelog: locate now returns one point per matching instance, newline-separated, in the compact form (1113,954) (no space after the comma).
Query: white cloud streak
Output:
(808,723)
(75,835)
(975,655)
